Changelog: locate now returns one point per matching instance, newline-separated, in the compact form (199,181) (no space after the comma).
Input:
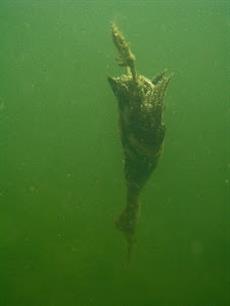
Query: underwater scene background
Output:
(61,162)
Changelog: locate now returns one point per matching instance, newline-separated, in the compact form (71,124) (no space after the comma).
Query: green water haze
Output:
(61,162)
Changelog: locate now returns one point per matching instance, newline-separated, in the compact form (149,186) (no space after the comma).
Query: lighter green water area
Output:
(62,182)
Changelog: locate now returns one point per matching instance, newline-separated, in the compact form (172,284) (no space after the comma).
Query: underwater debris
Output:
(140,105)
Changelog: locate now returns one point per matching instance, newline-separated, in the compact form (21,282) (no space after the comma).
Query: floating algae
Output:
(140,104)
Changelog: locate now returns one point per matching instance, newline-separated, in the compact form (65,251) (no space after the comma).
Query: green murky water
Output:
(61,175)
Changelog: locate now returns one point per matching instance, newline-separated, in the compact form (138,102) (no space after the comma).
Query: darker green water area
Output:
(61,162)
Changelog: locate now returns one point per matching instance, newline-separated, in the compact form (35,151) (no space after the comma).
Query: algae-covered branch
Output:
(140,106)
